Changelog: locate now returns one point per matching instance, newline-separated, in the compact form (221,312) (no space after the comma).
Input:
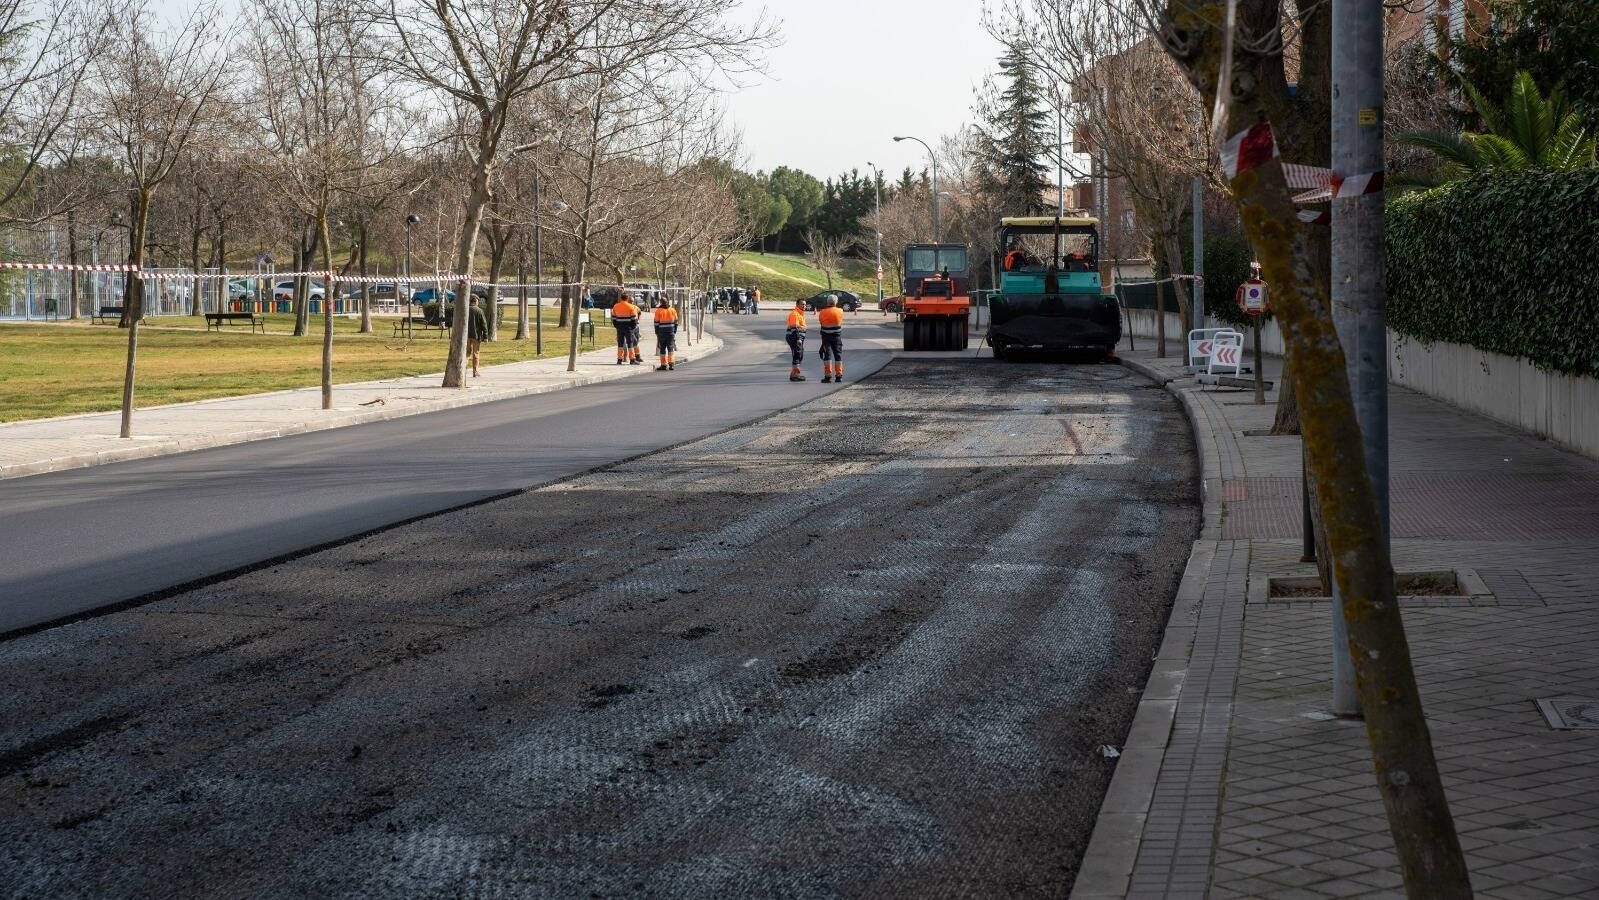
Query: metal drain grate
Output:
(1570,712)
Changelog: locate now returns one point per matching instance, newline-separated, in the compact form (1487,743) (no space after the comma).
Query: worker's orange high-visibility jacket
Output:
(624,314)
(1013,259)
(665,316)
(796,319)
(831,319)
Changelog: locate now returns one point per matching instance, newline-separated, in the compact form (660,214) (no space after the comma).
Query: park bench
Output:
(417,323)
(215,320)
(113,313)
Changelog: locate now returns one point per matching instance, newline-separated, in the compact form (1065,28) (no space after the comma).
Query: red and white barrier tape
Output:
(1248,149)
(68,267)
(1258,145)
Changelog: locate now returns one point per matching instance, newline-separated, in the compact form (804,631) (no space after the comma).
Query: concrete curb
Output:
(1107,866)
(337,418)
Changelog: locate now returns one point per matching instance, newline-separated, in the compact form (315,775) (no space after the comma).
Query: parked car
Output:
(284,290)
(382,291)
(892,304)
(847,300)
(430,294)
(645,294)
(603,298)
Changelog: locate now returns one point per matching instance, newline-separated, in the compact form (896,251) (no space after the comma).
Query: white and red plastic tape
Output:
(1258,145)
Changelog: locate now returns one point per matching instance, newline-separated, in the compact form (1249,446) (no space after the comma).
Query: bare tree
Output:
(47,51)
(1139,117)
(484,55)
(308,103)
(677,226)
(487,55)
(152,93)
(1250,82)
(650,67)
(823,251)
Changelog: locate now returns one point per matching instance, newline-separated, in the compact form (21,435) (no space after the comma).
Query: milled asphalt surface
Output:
(83,539)
(869,646)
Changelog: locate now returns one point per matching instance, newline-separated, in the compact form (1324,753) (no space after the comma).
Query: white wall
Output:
(1142,322)
(1562,408)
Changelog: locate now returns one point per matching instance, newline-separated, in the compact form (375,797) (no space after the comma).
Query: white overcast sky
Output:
(851,74)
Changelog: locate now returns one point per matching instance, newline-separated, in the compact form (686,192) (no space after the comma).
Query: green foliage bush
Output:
(1227,257)
(1503,261)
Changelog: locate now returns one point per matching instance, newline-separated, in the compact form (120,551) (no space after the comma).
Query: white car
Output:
(284,290)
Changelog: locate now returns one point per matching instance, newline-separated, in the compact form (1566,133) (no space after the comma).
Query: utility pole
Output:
(1359,284)
(1199,254)
(877,188)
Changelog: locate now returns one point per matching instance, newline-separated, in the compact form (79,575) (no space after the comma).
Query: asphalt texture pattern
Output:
(84,539)
(868,646)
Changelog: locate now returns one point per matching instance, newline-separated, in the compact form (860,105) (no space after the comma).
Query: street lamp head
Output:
(898,139)
(412,219)
(116,217)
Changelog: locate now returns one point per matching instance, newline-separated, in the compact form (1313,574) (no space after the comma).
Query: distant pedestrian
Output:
(755,302)
(665,335)
(477,331)
(795,335)
(831,318)
(625,318)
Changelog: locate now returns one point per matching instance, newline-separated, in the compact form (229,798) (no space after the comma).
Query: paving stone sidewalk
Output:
(68,442)
(1236,782)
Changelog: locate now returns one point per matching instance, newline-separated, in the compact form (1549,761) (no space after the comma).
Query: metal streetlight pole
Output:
(538,268)
(410,222)
(877,189)
(1358,279)
(1060,157)
(930,155)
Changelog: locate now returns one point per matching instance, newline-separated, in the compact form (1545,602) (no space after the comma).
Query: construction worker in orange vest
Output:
(665,335)
(1017,256)
(831,319)
(795,335)
(625,316)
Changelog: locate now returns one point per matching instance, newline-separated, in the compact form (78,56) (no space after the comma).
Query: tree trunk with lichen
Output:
(1407,775)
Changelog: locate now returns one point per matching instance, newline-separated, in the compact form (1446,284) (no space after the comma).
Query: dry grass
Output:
(56,370)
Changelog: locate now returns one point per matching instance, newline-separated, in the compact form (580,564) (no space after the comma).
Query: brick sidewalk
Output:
(1245,786)
(69,442)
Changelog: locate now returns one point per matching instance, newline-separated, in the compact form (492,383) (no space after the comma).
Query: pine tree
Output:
(1012,138)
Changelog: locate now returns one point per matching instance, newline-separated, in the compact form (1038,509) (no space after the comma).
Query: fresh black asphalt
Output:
(86,539)
(870,646)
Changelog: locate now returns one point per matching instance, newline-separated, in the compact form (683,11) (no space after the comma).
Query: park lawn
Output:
(785,277)
(57,370)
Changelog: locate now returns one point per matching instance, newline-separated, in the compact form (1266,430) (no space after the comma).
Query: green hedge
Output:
(1227,258)
(1506,262)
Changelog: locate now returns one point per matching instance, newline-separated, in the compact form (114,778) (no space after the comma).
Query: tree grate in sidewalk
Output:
(1566,713)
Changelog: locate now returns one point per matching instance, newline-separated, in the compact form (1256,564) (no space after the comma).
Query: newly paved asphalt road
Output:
(867,647)
(84,539)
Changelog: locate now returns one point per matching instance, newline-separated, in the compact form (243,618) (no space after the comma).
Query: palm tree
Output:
(1530,132)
